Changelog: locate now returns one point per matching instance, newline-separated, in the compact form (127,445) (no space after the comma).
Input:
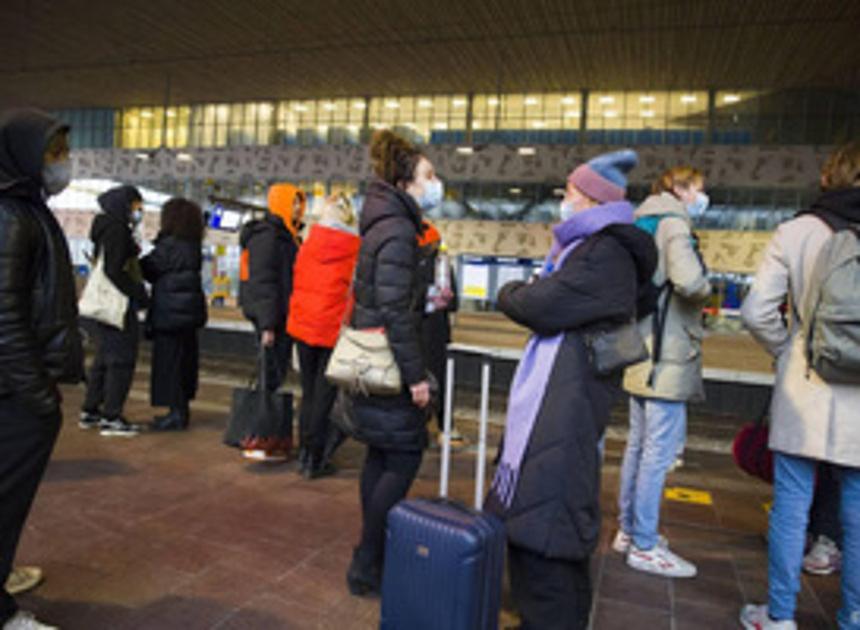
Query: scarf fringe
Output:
(505,483)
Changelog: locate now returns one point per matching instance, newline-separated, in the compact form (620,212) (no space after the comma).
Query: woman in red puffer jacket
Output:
(321,298)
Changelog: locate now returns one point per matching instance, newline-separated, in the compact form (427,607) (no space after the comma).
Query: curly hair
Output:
(842,168)
(394,157)
(183,219)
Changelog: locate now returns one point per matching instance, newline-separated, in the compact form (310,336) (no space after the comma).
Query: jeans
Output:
(657,429)
(794,484)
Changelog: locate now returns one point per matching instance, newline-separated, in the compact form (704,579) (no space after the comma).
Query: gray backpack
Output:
(831,310)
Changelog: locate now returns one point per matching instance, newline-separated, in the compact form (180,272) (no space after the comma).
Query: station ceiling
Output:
(70,53)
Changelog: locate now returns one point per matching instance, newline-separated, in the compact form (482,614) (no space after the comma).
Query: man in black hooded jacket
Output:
(112,371)
(39,341)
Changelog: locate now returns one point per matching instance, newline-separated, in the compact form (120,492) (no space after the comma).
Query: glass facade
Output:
(678,117)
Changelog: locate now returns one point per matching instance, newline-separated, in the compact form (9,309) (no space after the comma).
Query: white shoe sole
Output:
(118,433)
(651,570)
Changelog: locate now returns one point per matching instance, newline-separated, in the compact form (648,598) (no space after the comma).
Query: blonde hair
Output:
(682,176)
(338,209)
(842,168)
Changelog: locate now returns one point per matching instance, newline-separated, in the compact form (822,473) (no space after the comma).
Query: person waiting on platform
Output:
(436,327)
(661,386)
(269,248)
(547,485)
(322,281)
(112,371)
(40,345)
(814,411)
(177,312)
(387,289)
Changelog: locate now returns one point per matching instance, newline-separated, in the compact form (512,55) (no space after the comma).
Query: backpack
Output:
(831,311)
(658,296)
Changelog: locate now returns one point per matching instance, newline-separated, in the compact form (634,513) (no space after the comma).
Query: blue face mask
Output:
(434,193)
(698,206)
(56,177)
(565,210)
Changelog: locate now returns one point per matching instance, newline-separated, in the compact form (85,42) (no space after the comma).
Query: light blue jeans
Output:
(657,431)
(794,485)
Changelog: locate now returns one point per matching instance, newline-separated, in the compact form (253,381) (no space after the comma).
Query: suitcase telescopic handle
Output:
(484,417)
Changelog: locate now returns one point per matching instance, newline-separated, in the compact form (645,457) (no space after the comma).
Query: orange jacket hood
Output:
(289,203)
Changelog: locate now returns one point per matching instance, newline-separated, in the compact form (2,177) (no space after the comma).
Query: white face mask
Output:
(57,176)
(697,207)
(137,217)
(565,210)
(434,193)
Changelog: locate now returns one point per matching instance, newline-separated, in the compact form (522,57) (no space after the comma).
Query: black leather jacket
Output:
(40,343)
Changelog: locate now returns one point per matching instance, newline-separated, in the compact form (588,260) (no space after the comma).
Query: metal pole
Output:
(480,472)
(446,428)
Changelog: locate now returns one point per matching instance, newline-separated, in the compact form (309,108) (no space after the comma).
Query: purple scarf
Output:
(534,369)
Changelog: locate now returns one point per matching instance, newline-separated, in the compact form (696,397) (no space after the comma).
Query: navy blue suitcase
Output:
(443,561)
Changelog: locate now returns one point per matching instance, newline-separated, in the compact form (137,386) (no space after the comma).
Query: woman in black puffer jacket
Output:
(389,295)
(178,310)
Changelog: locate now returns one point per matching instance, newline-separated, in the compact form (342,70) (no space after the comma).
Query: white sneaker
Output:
(660,561)
(623,542)
(755,617)
(824,558)
(23,579)
(259,455)
(26,621)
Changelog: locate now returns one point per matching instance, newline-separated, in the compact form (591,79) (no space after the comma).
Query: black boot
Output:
(334,439)
(176,420)
(304,459)
(363,577)
(318,467)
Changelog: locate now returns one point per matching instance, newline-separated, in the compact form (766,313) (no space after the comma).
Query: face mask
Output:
(697,207)
(434,192)
(565,210)
(136,217)
(56,176)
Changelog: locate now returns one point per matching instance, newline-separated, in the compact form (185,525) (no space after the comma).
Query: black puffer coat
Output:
(173,269)
(388,295)
(112,238)
(265,295)
(40,344)
(555,510)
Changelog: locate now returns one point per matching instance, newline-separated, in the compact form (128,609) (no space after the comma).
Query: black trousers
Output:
(824,513)
(277,359)
(112,371)
(549,594)
(26,442)
(318,396)
(385,480)
(175,367)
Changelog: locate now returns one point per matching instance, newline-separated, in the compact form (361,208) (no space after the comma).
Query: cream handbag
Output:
(362,363)
(101,300)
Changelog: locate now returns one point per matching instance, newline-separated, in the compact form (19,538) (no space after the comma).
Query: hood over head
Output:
(117,201)
(24,136)
(288,202)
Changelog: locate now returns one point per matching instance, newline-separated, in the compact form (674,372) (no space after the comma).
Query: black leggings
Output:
(385,480)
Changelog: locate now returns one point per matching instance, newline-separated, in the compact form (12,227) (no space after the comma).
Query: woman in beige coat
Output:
(660,388)
(812,421)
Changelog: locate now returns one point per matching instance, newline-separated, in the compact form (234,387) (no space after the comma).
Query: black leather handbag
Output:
(614,349)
